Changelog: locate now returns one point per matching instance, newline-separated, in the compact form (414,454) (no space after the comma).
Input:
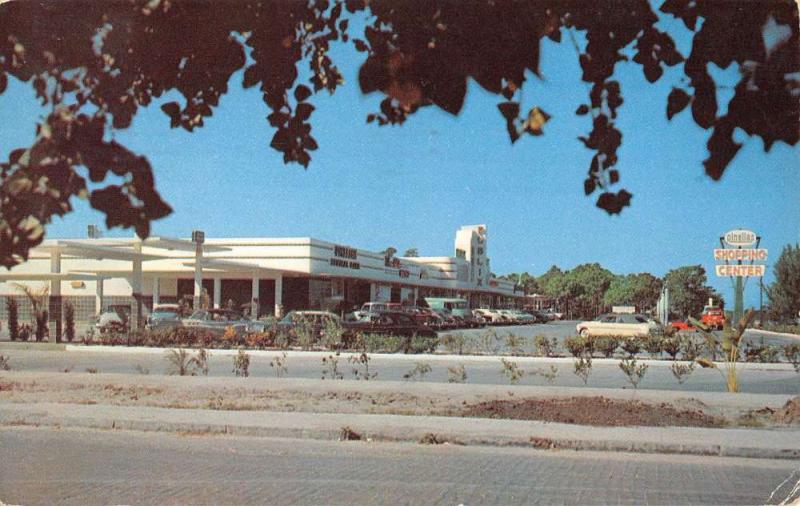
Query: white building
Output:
(275,275)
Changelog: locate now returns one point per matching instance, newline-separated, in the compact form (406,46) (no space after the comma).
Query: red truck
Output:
(713,317)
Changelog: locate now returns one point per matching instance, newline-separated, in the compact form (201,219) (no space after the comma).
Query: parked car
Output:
(490,315)
(164,316)
(217,321)
(554,315)
(524,318)
(391,323)
(509,316)
(611,324)
(683,325)
(115,318)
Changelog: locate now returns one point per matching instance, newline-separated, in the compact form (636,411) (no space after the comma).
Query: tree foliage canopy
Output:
(641,290)
(688,292)
(95,64)
(784,292)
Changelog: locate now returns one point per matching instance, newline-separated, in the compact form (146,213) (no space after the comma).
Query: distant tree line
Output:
(589,289)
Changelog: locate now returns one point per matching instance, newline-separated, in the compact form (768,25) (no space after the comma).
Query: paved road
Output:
(486,371)
(44,466)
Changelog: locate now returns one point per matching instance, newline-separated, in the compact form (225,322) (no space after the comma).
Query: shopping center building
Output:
(271,275)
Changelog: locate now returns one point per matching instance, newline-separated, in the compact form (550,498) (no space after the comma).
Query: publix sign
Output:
(739,246)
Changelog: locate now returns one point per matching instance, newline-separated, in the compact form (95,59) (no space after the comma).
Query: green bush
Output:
(382,343)
(792,354)
(632,345)
(545,347)
(241,364)
(420,344)
(653,344)
(606,345)
(453,343)
(577,345)
(671,346)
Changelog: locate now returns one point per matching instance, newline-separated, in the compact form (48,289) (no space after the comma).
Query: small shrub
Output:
(607,345)
(454,343)
(279,363)
(545,347)
(379,342)
(576,345)
(13,318)
(4,366)
(179,362)
(200,361)
(68,369)
(548,374)
(682,371)
(690,348)
(418,372)
(42,330)
(330,367)
(332,333)
(583,367)
(487,342)
(282,340)
(635,372)
(515,344)
(241,364)
(348,434)
(304,330)
(653,344)
(69,321)
(671,346)
(422,344)
(361,366)
(92,370)
(632,345)
(457,374)
(511,370)
(792,354)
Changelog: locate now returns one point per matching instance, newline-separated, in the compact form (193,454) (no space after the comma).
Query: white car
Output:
(623,325)
(490,315)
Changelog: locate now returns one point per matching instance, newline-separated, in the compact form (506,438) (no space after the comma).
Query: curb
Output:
(398,428)
(467,359)
(43,346)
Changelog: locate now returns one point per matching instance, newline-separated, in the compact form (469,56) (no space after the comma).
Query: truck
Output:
(713,316)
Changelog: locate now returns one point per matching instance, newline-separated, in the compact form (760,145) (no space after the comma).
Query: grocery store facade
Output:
(266,275)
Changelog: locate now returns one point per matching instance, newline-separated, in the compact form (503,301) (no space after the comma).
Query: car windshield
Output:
(164,314)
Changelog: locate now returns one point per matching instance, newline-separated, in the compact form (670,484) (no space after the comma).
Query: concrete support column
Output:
(198,275)
(156,288)
(373,291)
(98,296)
(416,296)
(279,296)
(254,303)
(54,300)
(136,289)
(217,292)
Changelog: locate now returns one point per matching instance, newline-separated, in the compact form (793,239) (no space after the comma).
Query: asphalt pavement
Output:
(86,467)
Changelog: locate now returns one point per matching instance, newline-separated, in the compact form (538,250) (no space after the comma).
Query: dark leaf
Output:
(582,110)
(360,45)
(613,176)
(171,109)
(589,185)
(721,149)
(301,93)
(677,101)
(303,111)
(613,203)
(3,81)
(509,110)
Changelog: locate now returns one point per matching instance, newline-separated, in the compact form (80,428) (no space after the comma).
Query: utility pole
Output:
(761,301)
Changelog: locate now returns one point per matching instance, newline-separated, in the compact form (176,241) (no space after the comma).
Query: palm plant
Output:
(38,300)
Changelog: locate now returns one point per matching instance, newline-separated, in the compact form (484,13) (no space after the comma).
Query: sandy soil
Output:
(341,397)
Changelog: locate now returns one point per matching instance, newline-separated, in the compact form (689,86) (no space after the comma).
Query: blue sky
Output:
(414,185)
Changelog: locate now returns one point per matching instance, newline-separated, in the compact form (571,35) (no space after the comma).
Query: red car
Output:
(681,325)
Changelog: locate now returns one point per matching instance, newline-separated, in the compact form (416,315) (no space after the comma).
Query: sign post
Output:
(738,247)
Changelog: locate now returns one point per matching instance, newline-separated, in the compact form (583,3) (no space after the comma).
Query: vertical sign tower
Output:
(739,250)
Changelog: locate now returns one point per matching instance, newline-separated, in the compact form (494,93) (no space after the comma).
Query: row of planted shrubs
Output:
(271,339)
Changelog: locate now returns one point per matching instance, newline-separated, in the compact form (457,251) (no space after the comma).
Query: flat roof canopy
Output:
(47,276)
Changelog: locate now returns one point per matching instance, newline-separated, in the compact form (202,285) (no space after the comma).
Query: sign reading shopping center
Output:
(740,252)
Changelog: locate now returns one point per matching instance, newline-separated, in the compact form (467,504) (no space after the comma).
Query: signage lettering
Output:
(756,270)
(345,252)
(740,238)
(740,254)
(335,262)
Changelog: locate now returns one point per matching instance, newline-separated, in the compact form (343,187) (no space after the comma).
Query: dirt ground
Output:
(595,411)
(584,410)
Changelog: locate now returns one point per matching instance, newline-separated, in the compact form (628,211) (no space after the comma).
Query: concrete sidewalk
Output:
(751,443)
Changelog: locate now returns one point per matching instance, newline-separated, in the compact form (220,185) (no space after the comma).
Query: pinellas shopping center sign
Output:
(739,251)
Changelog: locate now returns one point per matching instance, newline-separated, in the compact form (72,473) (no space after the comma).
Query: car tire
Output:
(584,332)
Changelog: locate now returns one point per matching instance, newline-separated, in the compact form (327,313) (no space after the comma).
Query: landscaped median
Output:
(762,426)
